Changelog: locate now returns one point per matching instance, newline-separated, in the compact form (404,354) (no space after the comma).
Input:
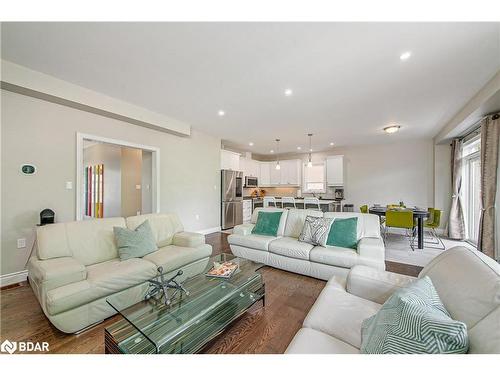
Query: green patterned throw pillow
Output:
(413,320)
(344,233)
(135,243)
(267,223)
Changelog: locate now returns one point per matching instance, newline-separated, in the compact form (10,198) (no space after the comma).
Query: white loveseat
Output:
(285,251)
(76,266)
(467,281)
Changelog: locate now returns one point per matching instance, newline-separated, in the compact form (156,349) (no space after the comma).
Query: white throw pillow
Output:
(315,230)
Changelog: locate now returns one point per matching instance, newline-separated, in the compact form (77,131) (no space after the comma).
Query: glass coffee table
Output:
(190,321)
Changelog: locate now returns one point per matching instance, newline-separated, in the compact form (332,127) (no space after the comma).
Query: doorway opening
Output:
(115,178)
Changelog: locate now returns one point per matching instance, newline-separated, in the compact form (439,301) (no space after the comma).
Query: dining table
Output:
(418,213)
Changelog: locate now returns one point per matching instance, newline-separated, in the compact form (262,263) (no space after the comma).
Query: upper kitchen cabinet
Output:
(335,170)
(229,160)
(290,172)
(265,174)
(250,167)
(275,174)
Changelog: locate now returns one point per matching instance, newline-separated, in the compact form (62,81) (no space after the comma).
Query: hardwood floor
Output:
(288,299)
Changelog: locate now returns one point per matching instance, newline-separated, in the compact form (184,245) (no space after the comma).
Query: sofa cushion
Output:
(468,283)
(290,247)
(135,243)
(284,216)
(334,256)
(164,226)
(295,221)
(310,341)
(253,241)
(267,223)
(340,314)
(343,233)
(93,241)
(53,273)
(414,321)
(115,275)
(315,230)
(52,241)
(368,224)
(173,257)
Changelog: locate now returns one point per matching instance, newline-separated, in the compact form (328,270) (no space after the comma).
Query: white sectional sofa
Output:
(467,281)
(76,266)
(286,252)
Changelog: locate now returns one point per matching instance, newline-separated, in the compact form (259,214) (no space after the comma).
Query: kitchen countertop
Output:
(278,199)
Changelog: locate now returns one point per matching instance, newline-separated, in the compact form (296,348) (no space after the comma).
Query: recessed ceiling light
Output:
(392,129)
(221,112)
(299,148)
(331,143)
(250,143)
(405,55)
(288,92)
(272,151)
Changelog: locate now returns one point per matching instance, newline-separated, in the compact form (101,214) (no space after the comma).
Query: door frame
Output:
(155,183)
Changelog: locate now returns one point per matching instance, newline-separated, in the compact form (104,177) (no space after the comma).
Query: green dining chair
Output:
(402,220)
(364,209)
(431,224)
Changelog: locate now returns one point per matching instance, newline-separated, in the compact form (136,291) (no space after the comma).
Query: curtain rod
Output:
(476,125)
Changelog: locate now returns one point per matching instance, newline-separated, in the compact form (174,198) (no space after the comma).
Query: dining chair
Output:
(269,202)
(312,201)
(402,220)
(363,209)
(288,202)
(433,223)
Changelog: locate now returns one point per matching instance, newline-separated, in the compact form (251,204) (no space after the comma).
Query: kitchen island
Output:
(327,205)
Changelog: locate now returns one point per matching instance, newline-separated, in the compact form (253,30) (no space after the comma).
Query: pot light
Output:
(221,113)
(272,151)
(392,129)
(250,143)
(405,56)
(299,148)
(331,143)
(288,92)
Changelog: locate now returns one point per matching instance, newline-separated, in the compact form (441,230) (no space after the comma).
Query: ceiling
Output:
(347,79)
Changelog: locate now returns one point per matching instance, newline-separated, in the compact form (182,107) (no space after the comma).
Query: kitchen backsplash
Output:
(285,192)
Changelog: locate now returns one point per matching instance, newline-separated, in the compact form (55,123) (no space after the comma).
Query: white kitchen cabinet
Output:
(247,211)
(229,160)
(250,167)
(275,174)
(265,174)
(290,172)
(335,170)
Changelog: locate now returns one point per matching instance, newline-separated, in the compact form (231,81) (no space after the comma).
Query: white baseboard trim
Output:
(13,278)
(209,230)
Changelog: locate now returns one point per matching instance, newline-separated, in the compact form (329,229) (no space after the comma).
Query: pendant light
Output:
(278,166)
(309,163)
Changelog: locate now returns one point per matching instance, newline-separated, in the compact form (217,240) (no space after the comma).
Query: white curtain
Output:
(456,223)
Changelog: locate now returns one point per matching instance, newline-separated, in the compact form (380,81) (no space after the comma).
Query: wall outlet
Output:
(21,243)
(138,187)
(69,185)
(197,217)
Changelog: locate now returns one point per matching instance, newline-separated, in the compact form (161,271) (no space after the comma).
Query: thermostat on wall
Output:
(28,169)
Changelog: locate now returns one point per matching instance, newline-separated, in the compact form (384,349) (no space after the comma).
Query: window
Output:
(314,178)
(471,174)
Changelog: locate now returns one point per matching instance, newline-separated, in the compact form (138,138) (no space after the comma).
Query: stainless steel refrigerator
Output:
(232,198)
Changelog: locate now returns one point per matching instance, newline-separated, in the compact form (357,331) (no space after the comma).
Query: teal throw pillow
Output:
(344,233)
(267,223)
(135,243)
(413,320)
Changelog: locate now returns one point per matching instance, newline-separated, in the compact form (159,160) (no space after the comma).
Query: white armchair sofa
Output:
(76,266)
(285,251)
(467,281)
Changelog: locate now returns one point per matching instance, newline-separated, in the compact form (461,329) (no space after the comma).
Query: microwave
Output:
(251,182)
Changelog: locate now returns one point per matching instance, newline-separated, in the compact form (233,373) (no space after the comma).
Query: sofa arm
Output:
(243,229)
(373,284)
(188,239)
(56,272)
(372,248)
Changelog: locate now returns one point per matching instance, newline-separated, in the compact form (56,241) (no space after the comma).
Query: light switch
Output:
(21,243)
(69,185)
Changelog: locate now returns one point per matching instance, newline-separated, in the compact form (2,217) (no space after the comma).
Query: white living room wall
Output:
(44,134)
